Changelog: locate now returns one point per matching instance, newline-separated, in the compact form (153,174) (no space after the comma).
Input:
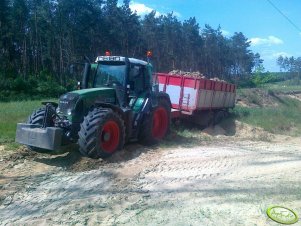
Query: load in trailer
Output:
(119,105)
(203,101)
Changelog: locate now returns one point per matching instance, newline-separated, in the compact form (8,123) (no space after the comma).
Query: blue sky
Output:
(270,33)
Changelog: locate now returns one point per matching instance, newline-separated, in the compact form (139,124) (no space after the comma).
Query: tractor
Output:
(118,101)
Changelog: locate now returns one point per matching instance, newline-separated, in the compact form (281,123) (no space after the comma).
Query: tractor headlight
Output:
(67,103)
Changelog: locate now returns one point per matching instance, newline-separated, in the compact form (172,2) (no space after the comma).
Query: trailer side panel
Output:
(194,94)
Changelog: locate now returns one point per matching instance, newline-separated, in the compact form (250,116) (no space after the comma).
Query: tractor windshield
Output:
(110,74)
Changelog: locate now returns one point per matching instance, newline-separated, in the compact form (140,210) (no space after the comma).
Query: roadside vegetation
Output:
(34,88)
(281,119)
(10,114)
(288,86)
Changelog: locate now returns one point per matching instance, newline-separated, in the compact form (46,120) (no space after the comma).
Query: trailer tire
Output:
(156,124)
(101,134)
(37,118)
(219,116)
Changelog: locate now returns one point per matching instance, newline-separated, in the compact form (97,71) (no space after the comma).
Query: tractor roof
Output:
(136,61)
(120,58)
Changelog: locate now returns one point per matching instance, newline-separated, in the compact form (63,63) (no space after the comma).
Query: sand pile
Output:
(238,129)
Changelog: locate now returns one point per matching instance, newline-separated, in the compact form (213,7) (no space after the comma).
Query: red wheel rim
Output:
(109,136)
(160,123)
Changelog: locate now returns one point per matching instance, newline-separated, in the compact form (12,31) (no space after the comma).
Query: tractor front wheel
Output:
(37,118)
(101,134)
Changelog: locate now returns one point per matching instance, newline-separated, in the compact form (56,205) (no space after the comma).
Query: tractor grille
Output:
(68,102)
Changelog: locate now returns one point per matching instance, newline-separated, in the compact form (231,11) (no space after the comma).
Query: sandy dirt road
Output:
(225,181)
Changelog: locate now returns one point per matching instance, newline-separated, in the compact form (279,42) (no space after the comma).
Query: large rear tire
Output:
(102,133)
(37,118)
(156,125)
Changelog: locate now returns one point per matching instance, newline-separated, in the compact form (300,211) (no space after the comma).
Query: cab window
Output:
(137,79)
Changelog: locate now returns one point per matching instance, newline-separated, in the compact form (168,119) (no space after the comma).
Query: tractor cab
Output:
(130,77)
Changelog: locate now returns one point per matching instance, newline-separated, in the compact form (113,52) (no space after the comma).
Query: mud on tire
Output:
(102,133)
(156,125)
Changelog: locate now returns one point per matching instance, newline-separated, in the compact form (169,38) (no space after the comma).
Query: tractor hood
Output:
(77,103)
(99,94)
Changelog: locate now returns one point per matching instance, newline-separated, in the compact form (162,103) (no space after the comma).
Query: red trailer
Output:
(202,100)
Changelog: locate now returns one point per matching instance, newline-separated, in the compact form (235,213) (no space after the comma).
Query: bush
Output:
(263,78)
(50,89)
(43,86)
(246,83)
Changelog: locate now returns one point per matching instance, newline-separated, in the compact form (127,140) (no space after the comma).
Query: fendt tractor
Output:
(117,102)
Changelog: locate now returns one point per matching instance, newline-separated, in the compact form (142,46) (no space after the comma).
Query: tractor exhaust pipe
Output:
(86,75)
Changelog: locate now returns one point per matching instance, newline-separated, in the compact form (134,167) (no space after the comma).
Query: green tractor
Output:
(118,102)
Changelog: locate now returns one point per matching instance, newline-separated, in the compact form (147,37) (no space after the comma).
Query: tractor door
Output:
(137,84)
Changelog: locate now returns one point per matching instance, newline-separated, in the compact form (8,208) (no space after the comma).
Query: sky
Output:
(270,32)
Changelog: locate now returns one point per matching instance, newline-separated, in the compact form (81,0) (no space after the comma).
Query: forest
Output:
(40,39)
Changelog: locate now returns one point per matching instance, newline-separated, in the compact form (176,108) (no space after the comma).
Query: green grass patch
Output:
(250,95)
(283,119)
(284,87)
(10,114)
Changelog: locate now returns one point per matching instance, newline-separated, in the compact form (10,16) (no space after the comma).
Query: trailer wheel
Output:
(157,124)
(219,116)
(37,118)
(102,133)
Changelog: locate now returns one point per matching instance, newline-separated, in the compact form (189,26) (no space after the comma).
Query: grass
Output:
(250,95)
(284,87)
(10,114)
(283,119)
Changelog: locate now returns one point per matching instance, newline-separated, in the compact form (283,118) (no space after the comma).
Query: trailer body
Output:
(191,96)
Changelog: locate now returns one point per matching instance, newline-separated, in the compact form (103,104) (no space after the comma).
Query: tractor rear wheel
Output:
(102,133)
(156,125)
(37,118)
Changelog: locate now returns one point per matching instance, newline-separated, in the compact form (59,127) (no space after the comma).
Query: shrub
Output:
(43,86)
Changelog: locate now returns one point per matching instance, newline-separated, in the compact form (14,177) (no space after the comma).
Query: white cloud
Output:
(225,33)
(271,40)
(278,54)
(272,54)
(142,9)
(177,14)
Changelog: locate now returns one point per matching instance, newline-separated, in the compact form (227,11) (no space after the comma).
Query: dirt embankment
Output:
(256,97)
(225,180)
(296,96)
